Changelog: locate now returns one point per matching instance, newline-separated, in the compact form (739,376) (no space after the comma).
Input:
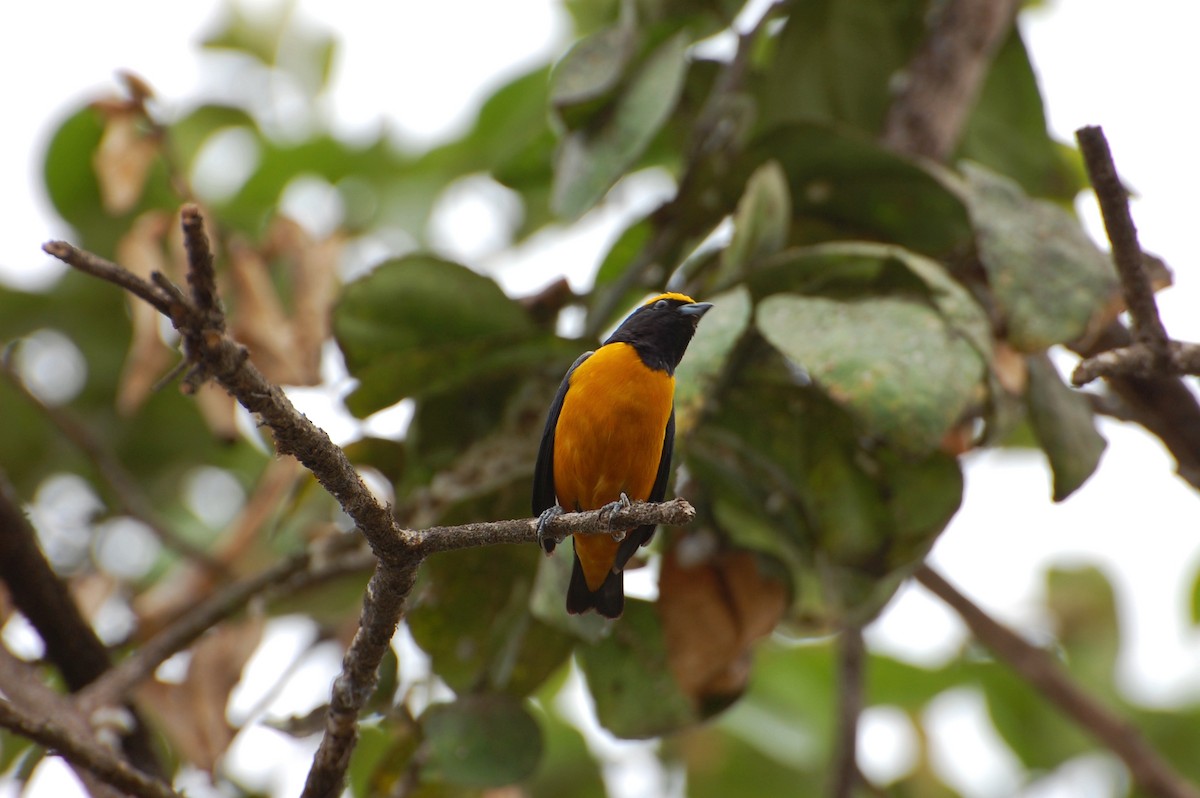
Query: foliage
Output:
(875,318)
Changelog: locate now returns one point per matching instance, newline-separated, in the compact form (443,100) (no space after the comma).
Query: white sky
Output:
(1131,67)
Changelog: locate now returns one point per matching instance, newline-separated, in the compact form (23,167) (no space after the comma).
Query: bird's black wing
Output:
(641,536)
(544,496)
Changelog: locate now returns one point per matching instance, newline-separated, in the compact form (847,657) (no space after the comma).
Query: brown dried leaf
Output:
(712,612)
(141,251)
(260,321)
(192,713)
(315,288)
(313,267)
(122,161)
(219,410)
(137,87)
(1010,368)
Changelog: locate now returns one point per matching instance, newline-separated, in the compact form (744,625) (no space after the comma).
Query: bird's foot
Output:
(548,515)
(622,503)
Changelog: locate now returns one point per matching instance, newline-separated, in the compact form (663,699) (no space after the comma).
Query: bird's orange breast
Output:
(609,441)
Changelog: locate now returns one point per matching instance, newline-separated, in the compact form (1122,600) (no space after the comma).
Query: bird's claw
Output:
(622,503)
(548,515)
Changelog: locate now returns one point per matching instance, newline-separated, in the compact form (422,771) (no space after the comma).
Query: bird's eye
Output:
(660,304)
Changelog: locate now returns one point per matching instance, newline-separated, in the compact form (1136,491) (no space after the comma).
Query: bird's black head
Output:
(661,329)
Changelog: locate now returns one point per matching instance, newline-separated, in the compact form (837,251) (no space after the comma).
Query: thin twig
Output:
(1122,234)
(1139,360)
(201,276)
(1152,353)
(676,512)
(97,266)
(1150,771)
(851,659)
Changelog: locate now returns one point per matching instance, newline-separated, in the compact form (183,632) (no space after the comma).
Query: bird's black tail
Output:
(609,600)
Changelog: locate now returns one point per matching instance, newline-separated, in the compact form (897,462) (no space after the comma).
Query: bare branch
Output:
(1150,771)
(676,512)
(107,270)
(940,84)
(1152,353)
(1122,234)
(202,278)
(1139,360)
(383,606)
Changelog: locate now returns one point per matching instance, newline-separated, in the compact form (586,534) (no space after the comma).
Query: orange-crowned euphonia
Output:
(608,441)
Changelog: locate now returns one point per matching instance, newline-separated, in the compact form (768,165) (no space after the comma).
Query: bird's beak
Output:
(696,309)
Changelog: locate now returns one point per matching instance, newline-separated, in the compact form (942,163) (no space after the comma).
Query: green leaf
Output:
(481,741)
(893,361)
(1196,599)
(1040,736)
(567,767)
(380,757)
(721,762)
(636,696)
(68,174)
(846,186)
(590,72)
(419,324)
(1046,275)
(835,61)
(1064,425)
(784,471)
(591,160)
(1084,607)
(474,624)
(1006,130)
(272,38)
(189,133)
(707,354)
(790,689)
(760,225)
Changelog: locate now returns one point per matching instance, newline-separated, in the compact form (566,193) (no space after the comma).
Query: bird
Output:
(608,441)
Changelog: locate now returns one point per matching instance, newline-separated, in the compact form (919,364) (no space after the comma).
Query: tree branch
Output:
(44,600)
(1152,353)
(851,662)
(383,606)
(97,266)
(1150,771)
(1122,234)
(214,354)
(676,512)
(83,753)
(939,86)
(55,722)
